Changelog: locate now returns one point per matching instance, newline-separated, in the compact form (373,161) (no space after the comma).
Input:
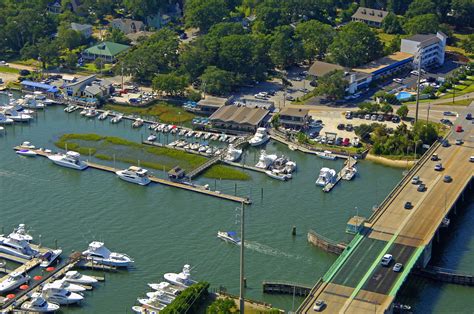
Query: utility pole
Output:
(418,86)
(242,287)
(428,114)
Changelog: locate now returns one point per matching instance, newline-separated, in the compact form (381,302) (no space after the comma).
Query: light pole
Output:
(428,114)
(242,237)
(418,86)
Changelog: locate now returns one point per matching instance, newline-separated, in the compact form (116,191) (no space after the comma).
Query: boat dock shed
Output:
(238,118)
(36,86)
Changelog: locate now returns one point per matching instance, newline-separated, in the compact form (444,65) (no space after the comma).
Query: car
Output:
(398,80)
(471,159)
(330,141)
(5,64)
(314,134)
(367,117)
(319,305)
(421,187)
(340,126)
(346,142)
(386,259)
(396,119)
(408,205)
(397,267)
(349,127)
(380,118)
(289,97)
(24,72)
(447,179)
(446,121)
(339,141)
(388,117)
(459,142)
(434,157)
(313,83)
(324,139)
(373,117)
(459,128)
(469,116)
(445,143)
(360,116)
(348,115)
(438,167)
(183,36)
(449,113)
(415,180)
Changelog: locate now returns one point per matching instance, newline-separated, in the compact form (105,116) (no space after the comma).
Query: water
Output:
(402,96)
(163,228)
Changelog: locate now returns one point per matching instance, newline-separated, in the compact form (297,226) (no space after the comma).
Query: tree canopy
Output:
(422,24)
(333,85)
(316,38)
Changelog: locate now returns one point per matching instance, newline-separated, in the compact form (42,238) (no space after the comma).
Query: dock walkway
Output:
(350,162)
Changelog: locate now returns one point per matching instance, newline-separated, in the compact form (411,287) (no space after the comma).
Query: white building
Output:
(429,47)
(84,29)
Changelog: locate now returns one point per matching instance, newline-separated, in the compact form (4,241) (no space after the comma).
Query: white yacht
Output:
(83,111)
(14,245)
(28,145)
(182,132)
(69,286)
(74,276)
(70,160)
(152,303)
(260,137)
(290,167)
(13,281)
(326,176)
(160,296)
(99,254)
(22,233)
(91,113)
(265,160)
(137,309)
(137,123)
(349,173)
(166,287)
(326,155)
(103,115)
(17,116)
(151,138)
(229,236)
(134,175)
(54,292)
(31,102)
(278,175)
(4,119)
(49,257)
(26,152)
(233,153)
(116,119)
(39,304)
(183,279)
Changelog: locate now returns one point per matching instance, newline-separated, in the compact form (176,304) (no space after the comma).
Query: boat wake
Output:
(268,250)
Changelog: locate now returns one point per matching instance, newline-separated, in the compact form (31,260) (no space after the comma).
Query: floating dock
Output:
(350,162)
(188,187)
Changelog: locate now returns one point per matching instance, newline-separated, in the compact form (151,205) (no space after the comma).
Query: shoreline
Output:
(389,162)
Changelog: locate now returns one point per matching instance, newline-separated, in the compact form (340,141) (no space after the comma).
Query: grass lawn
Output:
(4,69)
(90,68)
(464,102)
(163,111)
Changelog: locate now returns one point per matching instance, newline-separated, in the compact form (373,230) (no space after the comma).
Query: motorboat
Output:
(217,152)
(161,296)
(231,139)
(174,129)
(152,303)
(207,136)
(229,236)
(26,152)
(143,310)
(104,115)
(137,123)
(19,106)
(265,161)
(326,176)
(326,155)
(91,113)
(38,303)
(70,160)
(233,153)
(189,134)
(15,245)
(134,175)
(215,137)
(17,116)
(153,126)
(99,254)
(180,143)
(260,137)
(203,148)
(13,281)
(54,292)
(198,134)
(223,138)
(166,287)
(73,276)
(349,173)
(49,257)
(182,132)
(31,102)
(183,279)
(292,147)
(173,144)
(69,286)
(83,111)
(283,166)
(151,138)
(278,175)
(70,108)
(290,167)
(209,150)
(4,119)
(28,145)
(22,234)
(116,119)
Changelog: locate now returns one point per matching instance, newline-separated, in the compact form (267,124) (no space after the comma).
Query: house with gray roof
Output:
(238,118)
(371,17)
(84,29)
(427,48)
(127,26)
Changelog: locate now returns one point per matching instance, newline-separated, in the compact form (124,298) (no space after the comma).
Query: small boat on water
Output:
(207,136)
(91,113)
(278,175)
(151,138)
(54,292)
(260,137)
(229,236)
(49,257)
(233,153)
(152,303)
(161,296)
(182,132)
(183,279)
(134,175)
(39,304)
(28,145)
(70,160)
(326,176)
(104,115)
(4,119)
(74,276)
(326,155)
(14,244)
(99,254)
(215,137)
(265,161)
(26,152)
(349,173)
(166,287)
(83,111)
(70,108)
(13,281)
(137,123)
(137,309)
(223,138)
(189,134)
(198,134)
(69,286)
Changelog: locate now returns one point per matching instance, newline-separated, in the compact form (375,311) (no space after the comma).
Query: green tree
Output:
(171,83)
(269,15)
(285,49)
(467,43)
(222,306)
(355,44)
(316,37)
(69,38)
(140,9)
(422,24)
(391,24)
(393,45)
(205,13)
(236,55)
(333,85)
(69,60)
(402,111)
(463,12)
(216,81)
(420,7)
(117,36)
(386,108)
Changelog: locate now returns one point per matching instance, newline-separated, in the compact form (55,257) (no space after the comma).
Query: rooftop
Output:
(212,101)
(46,87)
(239,115)
(383,62)
(107,48)
(81,80)
(426,39)
(80,27)
(368,14)
(294,112)
(320,68)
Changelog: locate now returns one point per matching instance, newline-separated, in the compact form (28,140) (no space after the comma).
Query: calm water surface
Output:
(163,228)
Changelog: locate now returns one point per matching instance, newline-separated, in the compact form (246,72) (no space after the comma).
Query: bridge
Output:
(356,282)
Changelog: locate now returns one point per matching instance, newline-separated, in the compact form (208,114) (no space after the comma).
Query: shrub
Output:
(188,300)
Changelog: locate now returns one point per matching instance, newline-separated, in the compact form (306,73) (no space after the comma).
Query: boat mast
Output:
(242,287)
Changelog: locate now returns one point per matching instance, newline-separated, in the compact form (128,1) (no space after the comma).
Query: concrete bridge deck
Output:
(357,283)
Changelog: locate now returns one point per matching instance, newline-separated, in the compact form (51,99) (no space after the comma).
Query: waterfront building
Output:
(41,87)
(429,47)
(238,118)
(295,118)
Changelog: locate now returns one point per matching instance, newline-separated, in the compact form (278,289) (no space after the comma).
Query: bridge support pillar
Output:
(426,256)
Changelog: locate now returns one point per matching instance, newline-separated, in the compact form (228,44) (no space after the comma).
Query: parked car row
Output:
(374,117)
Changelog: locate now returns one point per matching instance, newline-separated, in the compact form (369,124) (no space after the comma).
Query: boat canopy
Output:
(231,233)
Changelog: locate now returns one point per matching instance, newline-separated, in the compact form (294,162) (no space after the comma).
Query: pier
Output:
(282,287)
(183,186)
(350,162)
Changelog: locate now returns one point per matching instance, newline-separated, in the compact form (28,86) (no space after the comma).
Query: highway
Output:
(359,284)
